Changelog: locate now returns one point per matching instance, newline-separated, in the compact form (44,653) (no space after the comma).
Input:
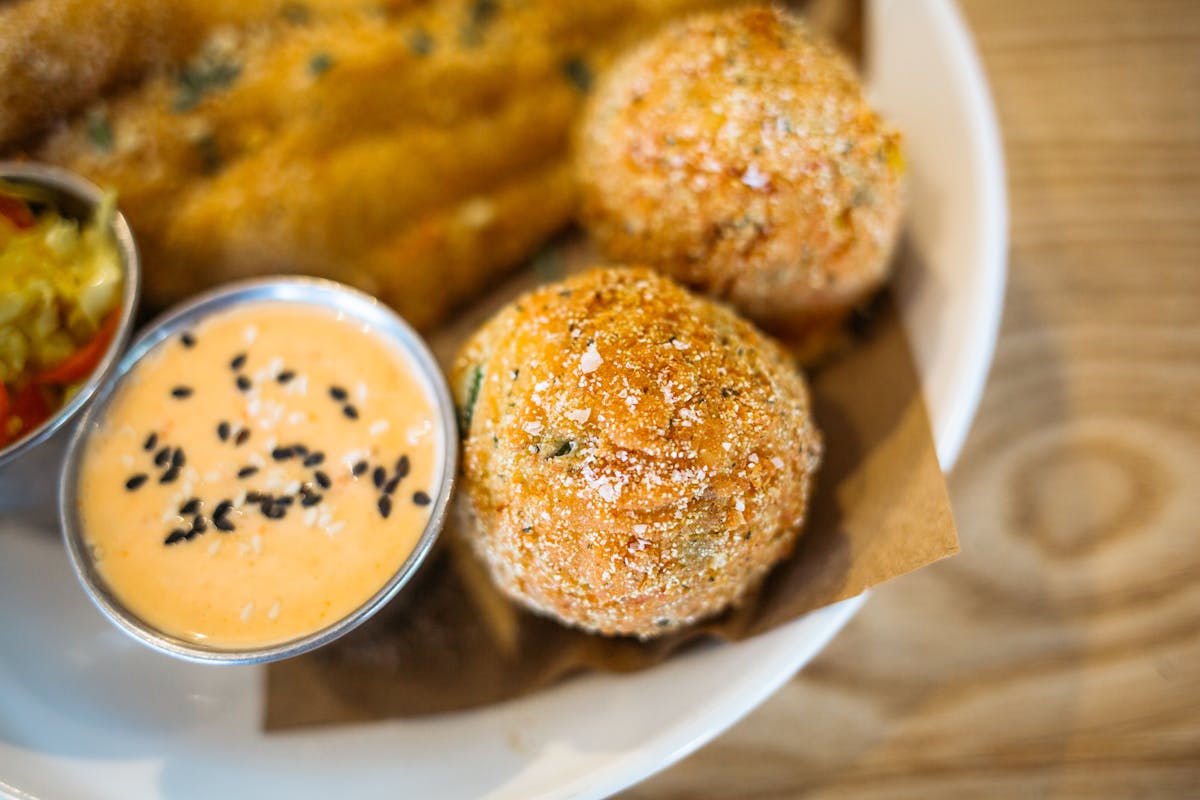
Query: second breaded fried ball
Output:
(636,457)
(736,152)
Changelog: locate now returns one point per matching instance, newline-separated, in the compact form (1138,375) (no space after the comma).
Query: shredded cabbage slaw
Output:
(60,292)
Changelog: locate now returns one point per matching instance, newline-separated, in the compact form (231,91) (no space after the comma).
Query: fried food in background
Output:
(344,139)
(736,152)
(636,457)
(57,56)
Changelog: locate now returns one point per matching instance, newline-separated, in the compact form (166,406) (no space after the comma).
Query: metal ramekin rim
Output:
(83,190)
(298,290)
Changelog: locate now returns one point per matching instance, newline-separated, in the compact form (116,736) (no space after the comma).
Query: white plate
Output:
(85,712)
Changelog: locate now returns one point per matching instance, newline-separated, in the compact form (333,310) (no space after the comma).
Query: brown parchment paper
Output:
(451,641)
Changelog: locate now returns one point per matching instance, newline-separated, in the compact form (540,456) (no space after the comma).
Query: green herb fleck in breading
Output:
(468,407)
(420,42)
(320,63)
(576,70)
(99,131)
(201,78)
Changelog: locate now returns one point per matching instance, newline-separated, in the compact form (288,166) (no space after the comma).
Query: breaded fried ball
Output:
(636,457)
(736,152)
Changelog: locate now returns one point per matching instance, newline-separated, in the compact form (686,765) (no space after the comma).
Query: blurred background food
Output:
(413,149)
(736,151)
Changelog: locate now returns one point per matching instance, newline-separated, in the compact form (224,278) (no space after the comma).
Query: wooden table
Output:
(1059,655)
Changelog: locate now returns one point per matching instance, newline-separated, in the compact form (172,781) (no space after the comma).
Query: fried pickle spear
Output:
(319,148)
(57,56)
(448,255)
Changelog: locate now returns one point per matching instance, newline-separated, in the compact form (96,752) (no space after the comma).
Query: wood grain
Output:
(1059,655)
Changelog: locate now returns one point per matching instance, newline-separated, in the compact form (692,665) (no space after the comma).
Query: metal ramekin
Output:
(323,294)
(29,467)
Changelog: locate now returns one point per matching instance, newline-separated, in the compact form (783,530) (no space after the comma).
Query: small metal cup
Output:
(301,291)
(29,467)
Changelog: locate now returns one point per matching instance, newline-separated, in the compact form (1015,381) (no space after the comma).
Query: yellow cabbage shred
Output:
(58,282)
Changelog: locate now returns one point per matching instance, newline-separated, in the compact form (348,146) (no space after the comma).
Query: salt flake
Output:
(754,178)
(591,360)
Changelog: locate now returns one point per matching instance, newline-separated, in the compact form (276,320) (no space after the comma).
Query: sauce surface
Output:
(260,476)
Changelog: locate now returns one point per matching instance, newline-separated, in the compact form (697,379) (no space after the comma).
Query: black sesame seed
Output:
(191,506)
(238,361)
(199,525)
(350,411)
(385,506)
(246,472)
(300,450)
(178,459)
(282,453)
(187,339)
(169,476)
(313,459)
(285,376)
(311,499)
(150,443)
(223,508)
(222,524)
(176,536)
(136,481)
(241,437)
(223,431)
(402,466)
(243,383)
(322,479)
(379,476)
(337,393)
(181,392)
(421,499)
(360,468)
(286,500)
(253,497)
(162,457)
(275,511)
(391,485)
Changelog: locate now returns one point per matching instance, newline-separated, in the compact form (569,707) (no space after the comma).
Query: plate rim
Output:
(993,220)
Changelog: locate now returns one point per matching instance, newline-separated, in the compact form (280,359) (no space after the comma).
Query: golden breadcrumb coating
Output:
(736,152)
(57,56)
(636,457)
(415,148)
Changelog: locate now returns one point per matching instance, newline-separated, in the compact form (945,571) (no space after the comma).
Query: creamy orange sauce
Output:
(308,540)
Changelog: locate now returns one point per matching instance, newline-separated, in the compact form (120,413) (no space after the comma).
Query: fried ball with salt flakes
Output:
(636,457)
(736,152)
